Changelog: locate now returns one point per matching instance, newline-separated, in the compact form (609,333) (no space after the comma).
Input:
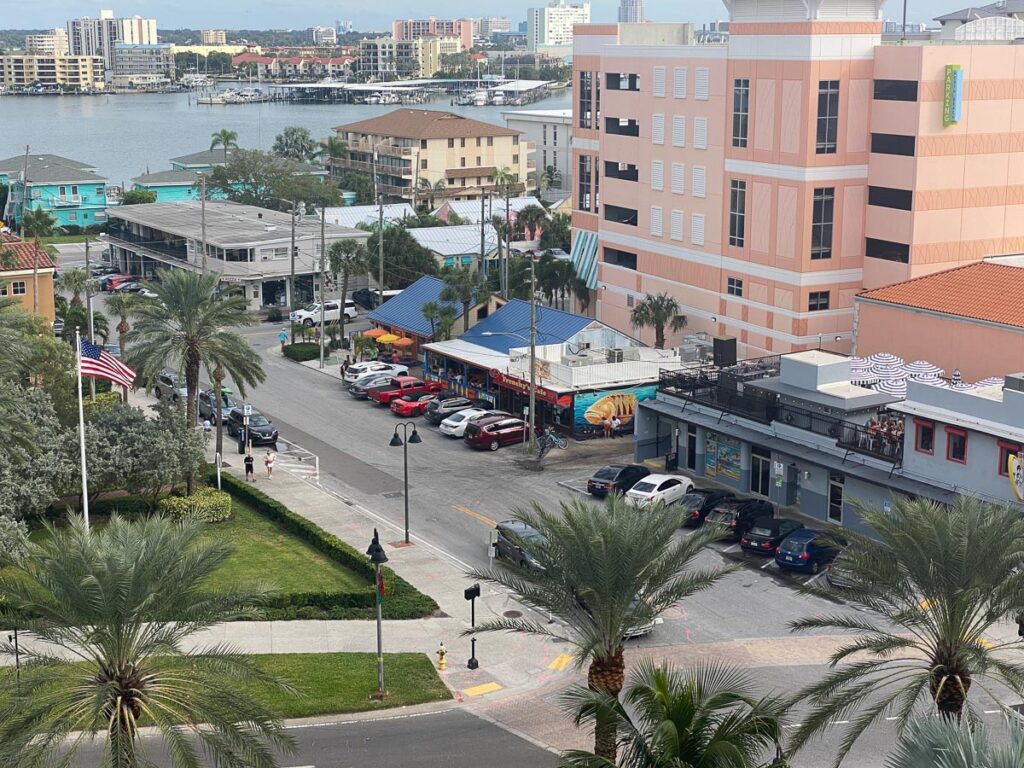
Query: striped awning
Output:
(584,256)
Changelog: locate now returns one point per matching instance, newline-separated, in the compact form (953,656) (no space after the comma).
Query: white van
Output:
(310,314)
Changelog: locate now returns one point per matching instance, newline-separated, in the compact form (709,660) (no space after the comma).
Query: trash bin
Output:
(671,462)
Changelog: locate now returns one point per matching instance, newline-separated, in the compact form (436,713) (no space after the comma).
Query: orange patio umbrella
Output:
(375,333)
(405,341)
(387,338)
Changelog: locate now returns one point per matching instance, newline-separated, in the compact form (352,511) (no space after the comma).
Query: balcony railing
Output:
(68,201)
(176,249)
(382,148)
(368,166)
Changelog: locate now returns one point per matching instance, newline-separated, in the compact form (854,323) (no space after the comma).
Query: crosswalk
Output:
(296,460)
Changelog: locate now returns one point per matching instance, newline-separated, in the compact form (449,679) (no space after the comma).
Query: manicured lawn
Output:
(62,239)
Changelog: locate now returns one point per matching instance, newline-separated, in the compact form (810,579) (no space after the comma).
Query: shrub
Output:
(302,351)
(206,505)
(274,315)
(105,401)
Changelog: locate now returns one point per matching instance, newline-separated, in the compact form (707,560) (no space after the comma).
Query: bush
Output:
(302,351)
(274,315)
(105,401)
(206,505)
(401,600)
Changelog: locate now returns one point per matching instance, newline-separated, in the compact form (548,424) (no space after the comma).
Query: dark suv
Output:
(441,408)
(699,502)
(617,478)
(738,515)
(208,405)
(261,430)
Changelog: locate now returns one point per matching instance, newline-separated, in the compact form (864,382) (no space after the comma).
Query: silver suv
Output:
(170,385)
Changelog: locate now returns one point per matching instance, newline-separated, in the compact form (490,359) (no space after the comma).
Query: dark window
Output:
(478,141)
(423,143)
(888,250)
(817,301)
(451,143)
(583,198)
(896,90)
(828,117)
(924,436)
(462,162)
(893,144)
(620,215)
(621,126)
(624,171)
(620,81)
(423,165)
(737,212)
(1006,450)
(887,197)
(956,445)
(586,100)
(619,258)
(740,111)
(490,141)
(462,143)
(735,286)
(821,222)
(478,161)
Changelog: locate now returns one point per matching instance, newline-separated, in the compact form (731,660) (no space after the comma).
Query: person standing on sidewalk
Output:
(616,423)
(282,336)
(269,463)
(250,472)
(344,366)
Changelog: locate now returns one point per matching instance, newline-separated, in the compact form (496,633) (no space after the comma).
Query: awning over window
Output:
(584,256)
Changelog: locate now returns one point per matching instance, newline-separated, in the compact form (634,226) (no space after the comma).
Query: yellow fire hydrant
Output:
(441,653)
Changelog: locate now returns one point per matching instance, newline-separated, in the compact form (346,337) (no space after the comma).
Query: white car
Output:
(309,315)
(148,294)
(654,488)
(455,425)
(357,370)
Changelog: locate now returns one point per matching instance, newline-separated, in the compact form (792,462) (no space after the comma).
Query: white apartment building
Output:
(97,37)
(52,43)
(322,35)
(548,133)
(488,25)
(551,26)
(214,37)
(631,11)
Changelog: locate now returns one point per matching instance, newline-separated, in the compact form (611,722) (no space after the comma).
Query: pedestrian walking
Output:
(316,335)
(395,358)
(282,336)
(344,367)
(250,472)
(268,461)
(615,425)
(607,425)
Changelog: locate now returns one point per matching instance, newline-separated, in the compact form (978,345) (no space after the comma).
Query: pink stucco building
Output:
(767,181)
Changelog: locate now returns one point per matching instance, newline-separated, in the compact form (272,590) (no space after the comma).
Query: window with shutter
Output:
(676,225)
(700,133)
(679,82)
(657,175)
(678,178)
(679,131)
(656,221)
(697,229)
(701,88)
(657,129)
(659,81)
(698,176)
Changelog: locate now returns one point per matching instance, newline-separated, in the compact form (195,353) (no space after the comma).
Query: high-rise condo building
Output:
(97,37)
(551,26)
(631,11)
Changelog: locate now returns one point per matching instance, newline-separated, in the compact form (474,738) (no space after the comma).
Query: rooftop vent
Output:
(1014,381)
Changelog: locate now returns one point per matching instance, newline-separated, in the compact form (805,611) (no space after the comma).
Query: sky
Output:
(298,14)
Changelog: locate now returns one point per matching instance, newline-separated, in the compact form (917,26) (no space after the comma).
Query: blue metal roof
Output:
(510,327)
(405,311)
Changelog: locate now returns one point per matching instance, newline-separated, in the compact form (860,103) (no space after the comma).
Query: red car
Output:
(495,432)
(411,405)
(401,386)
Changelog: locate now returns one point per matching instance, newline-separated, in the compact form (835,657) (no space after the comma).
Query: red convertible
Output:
(411,405)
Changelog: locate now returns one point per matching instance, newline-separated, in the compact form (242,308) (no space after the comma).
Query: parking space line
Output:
(770,562)
(733,548)
(560,662)
(475,515)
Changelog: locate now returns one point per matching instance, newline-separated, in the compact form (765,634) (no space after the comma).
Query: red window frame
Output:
(918,425)
(1006,448)
(961,433)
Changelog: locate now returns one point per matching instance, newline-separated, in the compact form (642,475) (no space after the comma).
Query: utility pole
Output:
(380,246)
(202,214)
(291,278)
(341,304)
(532,421)
(88,307)
(508,242)
(483,226)
(24,191)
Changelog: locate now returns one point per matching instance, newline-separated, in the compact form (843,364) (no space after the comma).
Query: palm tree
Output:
(465,285)
(128,645)
(504,180)
(531,218)
(347,257)
(121,305)
(935,579)
(224,138)
(78,317)
(430,311)
(656,312)
(445,322)
(703,717)
(73,281)
(432,191)
(548,178)
(186,328)
(38,223)
(602,572)
(942,742)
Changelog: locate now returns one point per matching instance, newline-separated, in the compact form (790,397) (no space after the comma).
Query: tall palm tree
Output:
(927,589)
(505,179)
(73,281)
(332,148)
(224,138)
(347,258)
(445,322)
(703,717)
(548,178)
(128,646)
(185,328)
(942,742)
(430,311)
(531,218)
(121,305)
(656,312)
(602,572)
(432,191)
(465,285)
(38,223)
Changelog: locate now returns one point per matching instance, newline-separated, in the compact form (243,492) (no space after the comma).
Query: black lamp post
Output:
(404,441)
(378,558)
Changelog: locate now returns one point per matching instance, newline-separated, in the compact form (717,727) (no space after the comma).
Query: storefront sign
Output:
(523,388)
(592,409)
(1015,469)
(722,456)
(953,95)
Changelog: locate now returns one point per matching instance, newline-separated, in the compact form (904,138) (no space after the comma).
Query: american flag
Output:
(99,363)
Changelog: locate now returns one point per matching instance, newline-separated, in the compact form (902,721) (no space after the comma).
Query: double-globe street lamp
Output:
(403,442)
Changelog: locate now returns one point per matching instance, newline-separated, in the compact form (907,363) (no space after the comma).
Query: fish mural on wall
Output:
(593,408)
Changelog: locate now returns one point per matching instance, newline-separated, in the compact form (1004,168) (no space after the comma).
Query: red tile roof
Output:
(26,255)
(982,291)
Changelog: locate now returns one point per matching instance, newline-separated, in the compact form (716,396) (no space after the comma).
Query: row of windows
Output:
(676,223)
(956,445)
(680,78)
(700,131)
(462,142)
(462,161)
(13,288)
(826,127)
(677,180)
(822,213)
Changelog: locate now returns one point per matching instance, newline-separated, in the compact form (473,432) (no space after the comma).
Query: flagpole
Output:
(81,428)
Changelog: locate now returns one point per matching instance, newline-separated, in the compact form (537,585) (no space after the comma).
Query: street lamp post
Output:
(378,558)
(404,441)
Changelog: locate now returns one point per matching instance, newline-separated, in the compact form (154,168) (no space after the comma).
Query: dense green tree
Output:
(14,541)
(265,180)
(138,197)
(602,571)
(945,742)
(38,222)
(556,233)
(531,219)
(466,286)
(360,183)
(224,138)
(445,322)
(73,281)
(431,191)
(926,587)
(123,600)
(405,260)
(295,143)
(657,311)
(547,178)
(347,258)
(78,317)
(331,148)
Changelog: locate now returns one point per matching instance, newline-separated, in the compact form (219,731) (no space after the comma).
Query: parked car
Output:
(807,550)
(455,425)
(513,542)
(357,370)
(699,501)
(99,270)
(261,430)
(170,385)
(127,286)
(443,407)
(767,533)
(365,297)
(146,293)
(411,405)
(309,315)
(654,488)
(58,327)
(617,478)
(737,515)
(839,576)
(495,432)
(403,385)
(360,389)
(208,405)
(110,282)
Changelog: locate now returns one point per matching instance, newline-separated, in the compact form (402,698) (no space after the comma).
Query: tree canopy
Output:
(405,260)
(266,180)
(296,143)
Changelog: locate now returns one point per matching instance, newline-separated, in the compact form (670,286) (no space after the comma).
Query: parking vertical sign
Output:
(953,95)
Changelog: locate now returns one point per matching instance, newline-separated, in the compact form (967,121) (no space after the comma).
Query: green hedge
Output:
(401,599)
(302,351)
(206,505)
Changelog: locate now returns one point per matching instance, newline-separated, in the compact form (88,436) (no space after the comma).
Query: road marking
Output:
(992,711)
(985,643)
(658,464)
(480,690)
(475,515)
(840,722)
(733,548)
(770,562)
(560,662)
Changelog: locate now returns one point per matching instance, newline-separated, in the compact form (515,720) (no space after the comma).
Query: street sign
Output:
(247,410)
(291,316)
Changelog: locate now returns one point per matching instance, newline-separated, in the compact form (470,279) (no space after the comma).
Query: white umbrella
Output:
(931,380)
(991,381)
(859,362)
(962,385)
(888,371)
(885,358)
(920,368)
(863,376)
(895,387)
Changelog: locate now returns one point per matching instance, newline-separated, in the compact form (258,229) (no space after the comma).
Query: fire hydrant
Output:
(441,653)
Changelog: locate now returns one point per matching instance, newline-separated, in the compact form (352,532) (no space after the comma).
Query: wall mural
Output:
(592,408)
